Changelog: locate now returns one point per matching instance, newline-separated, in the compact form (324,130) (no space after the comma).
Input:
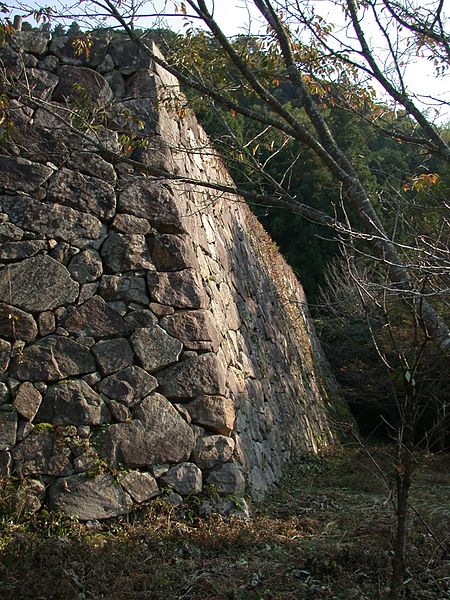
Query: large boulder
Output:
(88,498)
(25,282)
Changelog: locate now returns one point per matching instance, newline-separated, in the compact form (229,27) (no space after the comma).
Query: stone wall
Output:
(151,334)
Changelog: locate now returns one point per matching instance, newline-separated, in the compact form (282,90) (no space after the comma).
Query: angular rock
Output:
(92,164)
(27,401)
(79,84)
(185,479)
(172,252)
(95,318)
(5,355)
(212,450)
(52,220)
(23,430)
(47,323)
(128,56)
(116,83)
(227,479)
(18,174)
(195,328)
(54,357)
(155,348)
(73,403)
(141,318)
(199,375)
(26,280)
(82,192)
(147,198)
(40,83)
(86,266)
(128,386)
(180,289)
(8,430)
(42,454)
(122,252)
(128,288)
(9,232)
(34,41)
(131,224)
(113,355)
(30,496)
(214,413)
(4,393)
(65,48)
(119,412)
(20,250)
(140,486)
(157,435)
(89,498)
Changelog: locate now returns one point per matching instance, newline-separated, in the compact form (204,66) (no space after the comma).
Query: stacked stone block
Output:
(151,336)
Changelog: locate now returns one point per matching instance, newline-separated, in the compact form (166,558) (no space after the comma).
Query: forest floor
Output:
(324,532)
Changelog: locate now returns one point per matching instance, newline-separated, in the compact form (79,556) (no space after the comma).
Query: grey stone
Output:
(158,434)
(106,65)
(37,83)
(119,412)
(185,479)
(47,323)
(86,461)
(65,48)
(227,479)
(53,358)
(172,252)
(181,289)
(116,83)
(52,220)
(200,375)
(147,198)
(27,401)
(92,378)
(5,463)
(9,232)
(19,174)
(129,288)
(20,250)
(49,63)
(155,348)
(89,498)
(122,252)
(30,496)
(128,56)
(113,355)
(131,224)
(8,429)
(42,454)
(212,450)
(23,430)
(141,318)
(195,328)
(73,402)
(4,393)
(86,266)
(87,290)
(5,355)
(94,165)
(128,386)
(140,486)
(82,85)
(214,413)
(82,192)
(26,280)
(161,310)
(35,42)
(95,318)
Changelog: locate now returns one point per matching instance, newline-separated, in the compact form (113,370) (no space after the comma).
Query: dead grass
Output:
(323,533)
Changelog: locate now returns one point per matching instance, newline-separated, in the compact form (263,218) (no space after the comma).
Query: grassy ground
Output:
(325,532)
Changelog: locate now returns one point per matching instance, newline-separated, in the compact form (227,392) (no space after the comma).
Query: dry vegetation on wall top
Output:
(323,534)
